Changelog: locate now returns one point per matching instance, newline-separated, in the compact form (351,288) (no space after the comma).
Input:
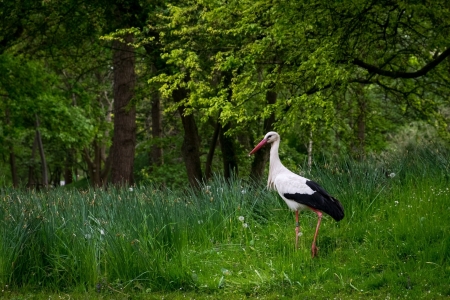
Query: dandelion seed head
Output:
(245,225)
(392,175)
(241,218)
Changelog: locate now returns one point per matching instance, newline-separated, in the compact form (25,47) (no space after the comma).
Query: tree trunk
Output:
(230,165)
(31,176)
(262,156)
(124,138)
(191,142)
(68,166)
(12,163)
(55,176)
(106,168)
(12,156)
(212,148)
(94,165)
(97,173)
(42,155)
(99,162)
(104,157)
(156,154)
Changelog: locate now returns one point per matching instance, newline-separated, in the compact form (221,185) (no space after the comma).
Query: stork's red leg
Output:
(297,228)
(314,249)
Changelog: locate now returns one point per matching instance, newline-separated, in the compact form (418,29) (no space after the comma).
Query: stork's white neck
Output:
(275,166)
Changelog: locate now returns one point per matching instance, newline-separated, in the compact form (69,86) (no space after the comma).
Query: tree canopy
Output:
(340,75)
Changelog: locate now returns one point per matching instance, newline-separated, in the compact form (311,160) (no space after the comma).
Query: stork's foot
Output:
(314,251)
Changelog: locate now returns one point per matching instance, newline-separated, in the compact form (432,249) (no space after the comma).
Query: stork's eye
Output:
(269,136)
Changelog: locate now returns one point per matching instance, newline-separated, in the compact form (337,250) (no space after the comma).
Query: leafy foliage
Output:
(346,74)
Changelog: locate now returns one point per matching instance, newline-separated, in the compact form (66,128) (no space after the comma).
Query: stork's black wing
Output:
(319,199)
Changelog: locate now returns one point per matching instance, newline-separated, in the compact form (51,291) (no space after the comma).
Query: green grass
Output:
(147,243)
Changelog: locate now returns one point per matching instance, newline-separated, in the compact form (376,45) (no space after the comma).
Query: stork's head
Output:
(270,137)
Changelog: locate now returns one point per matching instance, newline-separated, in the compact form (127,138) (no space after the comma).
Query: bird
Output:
(298,192)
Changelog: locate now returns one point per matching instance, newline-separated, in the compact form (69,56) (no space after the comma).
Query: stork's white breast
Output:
(291,183)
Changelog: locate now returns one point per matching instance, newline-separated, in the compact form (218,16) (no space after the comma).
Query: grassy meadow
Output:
(235,240)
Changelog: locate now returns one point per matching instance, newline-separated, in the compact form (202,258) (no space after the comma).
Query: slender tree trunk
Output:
(191,142)
(90,165)
(68,167)
(97,174)
(156,154)
(230,165)
(42,155)
(96,166)
(99,163)
(124,138)
(31,176)
(56,176)
(106,168)
(104,157)
(262,156)
(12,163)
(12,156)
(212,148)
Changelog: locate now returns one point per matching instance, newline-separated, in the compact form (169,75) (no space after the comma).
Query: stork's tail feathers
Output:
(335,209)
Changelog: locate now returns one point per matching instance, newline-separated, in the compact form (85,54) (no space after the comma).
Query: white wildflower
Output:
(245,225)
(241,218)
(130,189)
(392,175)
(225,271)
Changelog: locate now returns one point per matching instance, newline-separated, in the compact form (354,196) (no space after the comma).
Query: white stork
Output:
(298,192)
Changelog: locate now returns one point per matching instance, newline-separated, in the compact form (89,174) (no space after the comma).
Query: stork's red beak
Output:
(259,146)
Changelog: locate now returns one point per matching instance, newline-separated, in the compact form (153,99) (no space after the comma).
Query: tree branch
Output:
(393,74)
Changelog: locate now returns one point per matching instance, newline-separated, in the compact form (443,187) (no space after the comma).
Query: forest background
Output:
(170,92)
